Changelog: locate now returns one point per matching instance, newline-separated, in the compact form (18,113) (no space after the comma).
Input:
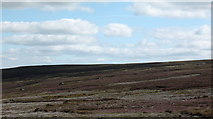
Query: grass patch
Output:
(67,96)
(182,92)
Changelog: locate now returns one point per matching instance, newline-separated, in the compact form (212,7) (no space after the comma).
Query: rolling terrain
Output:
(160,89)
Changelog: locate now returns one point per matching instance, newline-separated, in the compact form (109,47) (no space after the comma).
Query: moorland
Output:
(158,89)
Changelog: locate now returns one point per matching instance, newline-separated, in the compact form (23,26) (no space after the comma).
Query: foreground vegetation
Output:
(168,89)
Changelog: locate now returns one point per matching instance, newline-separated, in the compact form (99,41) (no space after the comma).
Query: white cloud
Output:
(77,49)
(46,6)
(184,33)
(199,38)
(24,57)
(62,26)
(183,43)
(116,29)
(173,9)
(92,53)
(40,39)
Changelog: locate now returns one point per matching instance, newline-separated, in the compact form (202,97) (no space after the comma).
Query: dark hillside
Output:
(21,73)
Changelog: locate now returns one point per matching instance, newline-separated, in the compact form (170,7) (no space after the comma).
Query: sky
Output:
(47,33)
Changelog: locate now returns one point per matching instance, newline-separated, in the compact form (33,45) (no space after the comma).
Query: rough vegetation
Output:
(167,89)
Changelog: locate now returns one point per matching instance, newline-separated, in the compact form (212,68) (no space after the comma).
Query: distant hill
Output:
(21,73)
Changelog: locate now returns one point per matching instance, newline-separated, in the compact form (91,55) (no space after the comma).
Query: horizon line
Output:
(67,64)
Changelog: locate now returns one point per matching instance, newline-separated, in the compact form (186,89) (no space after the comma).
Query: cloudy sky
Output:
(92,33)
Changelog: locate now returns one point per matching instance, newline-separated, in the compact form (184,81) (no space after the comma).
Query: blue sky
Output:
(94,33)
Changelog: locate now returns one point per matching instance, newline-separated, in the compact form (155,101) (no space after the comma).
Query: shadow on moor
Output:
(160,89)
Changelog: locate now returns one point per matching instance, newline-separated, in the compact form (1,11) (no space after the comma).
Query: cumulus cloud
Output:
(202,32)
(62,26)
(199,38)
(182,42)
(77,49)
(88,54)
(46,6)
(76,38)
(23,57)
(39,39)
(173,9)
(116,29)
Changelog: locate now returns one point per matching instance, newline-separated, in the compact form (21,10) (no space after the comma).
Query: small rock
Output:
(66,101)
(61,83)
(185,112)
(197,114)
(168,111)
(37,109)
(45,110)
(12,101)
(49,105)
